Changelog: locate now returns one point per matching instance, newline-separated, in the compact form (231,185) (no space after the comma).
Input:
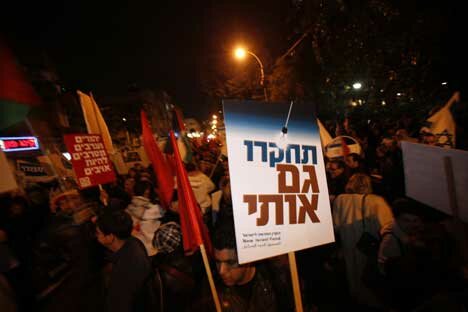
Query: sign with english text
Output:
(89,158)
(278,183)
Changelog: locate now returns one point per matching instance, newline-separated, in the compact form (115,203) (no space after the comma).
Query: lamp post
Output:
(240,54)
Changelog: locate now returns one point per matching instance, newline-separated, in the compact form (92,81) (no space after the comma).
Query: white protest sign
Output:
(425,176)
(278,184)
(7,182)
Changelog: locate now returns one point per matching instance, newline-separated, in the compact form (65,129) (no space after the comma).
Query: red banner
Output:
(89,158)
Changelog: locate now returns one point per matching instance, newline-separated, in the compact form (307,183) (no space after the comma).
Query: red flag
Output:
(16,94)
(344,147)
(180,121)
(160,167)
(194,231)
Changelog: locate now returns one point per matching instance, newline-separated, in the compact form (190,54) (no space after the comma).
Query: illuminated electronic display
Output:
(16,144)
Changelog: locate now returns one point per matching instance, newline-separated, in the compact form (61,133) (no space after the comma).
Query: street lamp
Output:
(240,54)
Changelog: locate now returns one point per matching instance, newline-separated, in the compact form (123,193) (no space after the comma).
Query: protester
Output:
(145,215)
(336,178)
(248,287)
(202,187)
(390,162)
(174,266)
(129,186)
(66,255)
(130,264)
(19,231)
(416,259)
(357,215)
(354,164)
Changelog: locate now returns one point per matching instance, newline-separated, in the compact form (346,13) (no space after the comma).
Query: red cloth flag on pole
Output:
(180,120)
(160,167)
(16,94)
(194,231)
(344,147)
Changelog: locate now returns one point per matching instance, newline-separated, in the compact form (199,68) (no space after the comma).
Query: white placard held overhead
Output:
(278,183)
(426,178)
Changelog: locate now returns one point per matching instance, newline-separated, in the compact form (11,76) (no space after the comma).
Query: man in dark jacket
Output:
(131,267)
(248,287)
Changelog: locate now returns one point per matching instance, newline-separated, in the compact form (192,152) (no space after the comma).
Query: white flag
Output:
(325,137)
(442,124)
(95,123)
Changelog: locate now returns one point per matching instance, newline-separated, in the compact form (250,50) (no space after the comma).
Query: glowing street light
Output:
(357,85)
(240,54)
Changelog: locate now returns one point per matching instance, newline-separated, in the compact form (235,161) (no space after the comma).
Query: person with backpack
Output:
(131,275)
(359,218)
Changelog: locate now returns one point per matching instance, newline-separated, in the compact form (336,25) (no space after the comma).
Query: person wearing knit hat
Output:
(168,238)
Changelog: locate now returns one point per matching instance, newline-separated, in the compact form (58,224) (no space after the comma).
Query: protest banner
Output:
(426,177)
(91,163)
(275,161)
(278,183)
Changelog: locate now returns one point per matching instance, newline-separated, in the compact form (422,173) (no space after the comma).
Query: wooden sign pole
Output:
(295,282)
(214,293)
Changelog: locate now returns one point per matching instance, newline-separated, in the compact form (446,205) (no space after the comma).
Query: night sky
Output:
(104,46)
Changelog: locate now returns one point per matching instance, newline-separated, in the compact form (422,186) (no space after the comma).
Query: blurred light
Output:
(357,85)
(213,127)
(211,136)
(215,117)
(384,103)
(215,122)
(382,90)
(399,94)
(240,53)
(67,156)
(360,102)
(444,83)
(353,103)
(124,119)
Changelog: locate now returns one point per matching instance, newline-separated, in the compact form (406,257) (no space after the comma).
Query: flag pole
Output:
(295,281)
(214,293)
(101,189)
(216,164)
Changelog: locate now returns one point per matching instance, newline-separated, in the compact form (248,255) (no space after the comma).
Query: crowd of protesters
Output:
(119,249)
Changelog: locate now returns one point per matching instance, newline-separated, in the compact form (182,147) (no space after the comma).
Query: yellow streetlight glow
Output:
(240,53)
(215,117)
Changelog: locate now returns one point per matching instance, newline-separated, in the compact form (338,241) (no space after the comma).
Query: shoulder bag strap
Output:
(362,213)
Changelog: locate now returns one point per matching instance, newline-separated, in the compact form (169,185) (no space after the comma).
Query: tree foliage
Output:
(393,51)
